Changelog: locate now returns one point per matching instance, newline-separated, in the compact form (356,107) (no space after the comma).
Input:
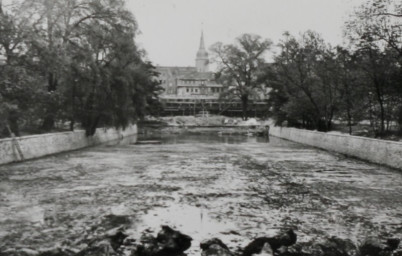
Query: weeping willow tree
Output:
(84,55)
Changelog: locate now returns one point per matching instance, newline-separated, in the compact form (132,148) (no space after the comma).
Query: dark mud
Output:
(232,187)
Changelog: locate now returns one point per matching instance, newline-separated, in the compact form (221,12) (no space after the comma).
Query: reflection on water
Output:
(191,220)
(211,138)
(123,141)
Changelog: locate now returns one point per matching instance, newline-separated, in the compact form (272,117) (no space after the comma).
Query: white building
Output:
(188,83)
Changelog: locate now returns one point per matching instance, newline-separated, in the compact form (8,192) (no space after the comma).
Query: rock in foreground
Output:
(168,242)
(283,240)
(214,247)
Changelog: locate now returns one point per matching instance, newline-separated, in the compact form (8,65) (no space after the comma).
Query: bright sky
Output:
(170,29)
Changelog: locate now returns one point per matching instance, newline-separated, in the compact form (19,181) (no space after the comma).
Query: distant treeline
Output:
(312,83)
(69,63)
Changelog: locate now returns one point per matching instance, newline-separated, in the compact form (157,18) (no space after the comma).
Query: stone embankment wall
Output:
(30,147)
(377,151)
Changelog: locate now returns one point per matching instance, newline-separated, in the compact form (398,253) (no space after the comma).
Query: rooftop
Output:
(198,76)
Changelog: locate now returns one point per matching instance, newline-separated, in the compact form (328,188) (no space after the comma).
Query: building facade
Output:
(190,90)
(190,83)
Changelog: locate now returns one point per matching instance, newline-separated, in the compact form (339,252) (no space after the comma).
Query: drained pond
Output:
(232,187)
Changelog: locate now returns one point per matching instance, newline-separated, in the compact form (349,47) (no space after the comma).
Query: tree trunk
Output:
(329,120)
(13,121)
(48,121)
(329,125)
(378,90)
(244,101)
(72,118)
(382,110)
(349,120)
(72,123)
(93,122)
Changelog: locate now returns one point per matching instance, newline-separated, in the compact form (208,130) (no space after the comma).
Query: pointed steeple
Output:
(202,45)
(201,62)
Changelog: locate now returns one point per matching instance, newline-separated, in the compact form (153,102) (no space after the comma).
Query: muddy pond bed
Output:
(229,186)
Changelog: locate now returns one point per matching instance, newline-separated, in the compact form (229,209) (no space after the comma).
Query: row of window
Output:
(191,100)
(170,91)
(216,89)
(191,82)
(191,90)
(184,81)
(213,90)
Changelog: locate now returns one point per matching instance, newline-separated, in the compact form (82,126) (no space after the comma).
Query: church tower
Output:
(201,62)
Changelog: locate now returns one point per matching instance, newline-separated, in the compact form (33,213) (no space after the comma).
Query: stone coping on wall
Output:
(41,135)
(33,146)
(344,135)
(373,150)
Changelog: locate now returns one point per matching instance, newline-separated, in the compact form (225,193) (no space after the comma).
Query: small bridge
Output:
(213,106)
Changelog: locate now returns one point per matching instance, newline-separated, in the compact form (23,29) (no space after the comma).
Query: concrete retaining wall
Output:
(377,151)
(46,144)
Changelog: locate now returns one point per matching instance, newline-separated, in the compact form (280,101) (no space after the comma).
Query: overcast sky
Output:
(170,29)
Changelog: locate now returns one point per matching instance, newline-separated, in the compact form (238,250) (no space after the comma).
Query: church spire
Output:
(201,61)
(202,45)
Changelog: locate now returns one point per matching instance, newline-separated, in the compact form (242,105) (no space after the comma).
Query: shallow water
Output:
(231,187)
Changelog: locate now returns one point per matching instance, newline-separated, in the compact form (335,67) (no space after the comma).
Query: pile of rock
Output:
(170,242)
(285,245)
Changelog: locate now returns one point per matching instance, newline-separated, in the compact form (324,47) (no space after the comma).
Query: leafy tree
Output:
(352,91)
(275,96)
(21,91)
(306,74)
(377,22)
(59,27)
(88,67)
(146,90)
(104,64)
(377,72)
(19,87)
(375,32)
(239,67)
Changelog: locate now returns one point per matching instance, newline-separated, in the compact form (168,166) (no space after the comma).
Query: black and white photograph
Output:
(200,127)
